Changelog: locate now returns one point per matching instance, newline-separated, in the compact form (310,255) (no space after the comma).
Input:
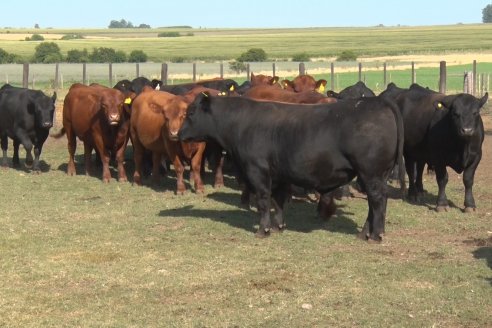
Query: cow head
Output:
(198,118)
(261,79)
(174,110)
(464,111)
(114,105)
(43,109)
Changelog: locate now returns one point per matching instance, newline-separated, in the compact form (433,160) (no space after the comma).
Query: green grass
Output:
(77,252)
(226,44)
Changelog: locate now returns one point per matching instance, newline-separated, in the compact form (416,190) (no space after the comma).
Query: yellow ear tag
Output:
(321,88)
(439,105)
(231,88)
(128,101)
(223,93)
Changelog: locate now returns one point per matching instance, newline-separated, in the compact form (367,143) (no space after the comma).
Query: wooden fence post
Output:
(442,77)
(194,72)
(57,76)
(247,72)
(385,77)
(273,69)
(413,73)
(25,75)
(302,69)
(221,70)
(110,75)
(332,74)
(164,73)
(474,82)
(137,69)
(360,71)
(84,73)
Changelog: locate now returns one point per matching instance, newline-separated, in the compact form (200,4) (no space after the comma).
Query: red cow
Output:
(100,117)
(304,83)
(156,119)
(261,79)
(271,93)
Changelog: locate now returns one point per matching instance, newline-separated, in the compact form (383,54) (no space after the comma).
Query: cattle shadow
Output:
(485,253)
(248,219)
(429,201)
(44,167)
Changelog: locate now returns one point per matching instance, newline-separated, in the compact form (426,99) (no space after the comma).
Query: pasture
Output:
(77,252)
(226,44)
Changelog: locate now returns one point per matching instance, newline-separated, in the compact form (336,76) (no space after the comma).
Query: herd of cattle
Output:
(278,134)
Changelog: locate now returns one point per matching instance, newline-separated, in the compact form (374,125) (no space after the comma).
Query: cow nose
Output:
(114,117)
(467,131)
(174,134)
(47,125)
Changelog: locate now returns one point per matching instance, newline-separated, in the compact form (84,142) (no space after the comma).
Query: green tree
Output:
(107,55)
(77,56)
(47,52)
(487,14)
(301,57)
(347,55)
(237,67)
(253,55)
(35,37)
(8,58)
(137,56)
(120,24)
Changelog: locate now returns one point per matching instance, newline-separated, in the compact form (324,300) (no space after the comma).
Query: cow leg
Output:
(468,178)
(72,146)
(419,185)
(412,189)
(156,163)
(179,168)
(261,182)
(37,153)
(120,160)
(377,199)
(219,175)
(138,154)
(279,195)
(196,165)
(326,206)
(87,158)
(442,181)
(15,156)
(105,158)
(5,145)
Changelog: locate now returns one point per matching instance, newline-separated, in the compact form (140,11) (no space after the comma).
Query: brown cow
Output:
(156,119)
(304,83)
(261,79)
(100,117)
(271,93)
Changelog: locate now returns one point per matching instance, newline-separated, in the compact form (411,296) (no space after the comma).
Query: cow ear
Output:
(320,86)
(287,84)
(203,99)
(53,97)
(483,100)
(444,103)
(332,94)
(274,80)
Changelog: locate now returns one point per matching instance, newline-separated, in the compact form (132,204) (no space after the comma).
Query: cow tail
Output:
(60,134)
(400,140)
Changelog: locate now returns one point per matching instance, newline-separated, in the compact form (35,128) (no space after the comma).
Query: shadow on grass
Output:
(299,216)
(484,252)
(43,167)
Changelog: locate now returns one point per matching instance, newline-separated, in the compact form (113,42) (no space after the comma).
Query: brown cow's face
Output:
(112,105)
(175,114)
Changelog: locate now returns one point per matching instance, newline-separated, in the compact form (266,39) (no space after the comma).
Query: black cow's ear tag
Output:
(439,105)
(231,88)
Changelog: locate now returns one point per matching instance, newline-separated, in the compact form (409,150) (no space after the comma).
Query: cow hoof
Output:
(470,210)
(218,185)
(200,191)
(123,180)
(278,229)
(363,235)
(442,208)
(262,233)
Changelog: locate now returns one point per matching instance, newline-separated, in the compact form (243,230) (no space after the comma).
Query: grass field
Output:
(77,252)
(227,44)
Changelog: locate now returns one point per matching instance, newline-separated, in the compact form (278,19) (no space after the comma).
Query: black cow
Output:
(26,117)
(224,85)
(137,85)
(355,91)
(441,131)
(312,146)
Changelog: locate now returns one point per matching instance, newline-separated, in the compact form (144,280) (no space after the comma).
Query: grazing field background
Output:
(77,252)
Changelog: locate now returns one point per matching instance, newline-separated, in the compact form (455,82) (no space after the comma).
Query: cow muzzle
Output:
(173,135)
(467,132)
(114,119)
(47,125)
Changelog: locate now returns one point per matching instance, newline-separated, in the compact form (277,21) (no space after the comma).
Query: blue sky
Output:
(239,13)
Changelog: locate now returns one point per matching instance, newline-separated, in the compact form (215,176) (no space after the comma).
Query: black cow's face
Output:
(44,111)
(465,112)
(197,123)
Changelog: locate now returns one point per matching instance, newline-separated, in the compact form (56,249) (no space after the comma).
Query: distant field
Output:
(225,44)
